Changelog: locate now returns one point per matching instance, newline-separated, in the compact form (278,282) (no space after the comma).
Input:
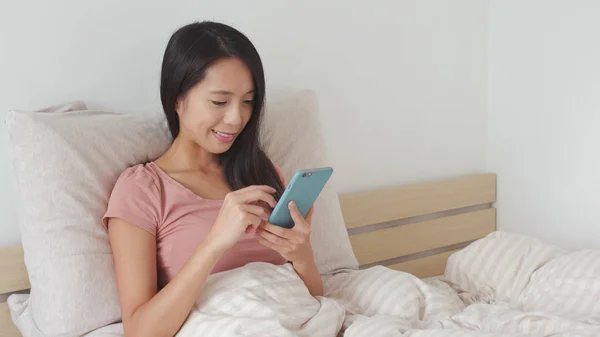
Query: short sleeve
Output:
(135,198)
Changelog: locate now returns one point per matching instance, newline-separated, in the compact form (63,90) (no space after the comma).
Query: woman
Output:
(201,207)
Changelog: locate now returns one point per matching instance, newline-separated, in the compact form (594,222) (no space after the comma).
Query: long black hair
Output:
(190,51)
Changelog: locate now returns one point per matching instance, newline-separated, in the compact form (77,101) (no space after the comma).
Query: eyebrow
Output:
(225,92)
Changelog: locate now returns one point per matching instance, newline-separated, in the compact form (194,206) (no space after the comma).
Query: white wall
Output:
(544,118)
(402,83)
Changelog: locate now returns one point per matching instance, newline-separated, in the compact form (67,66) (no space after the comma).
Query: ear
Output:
(179,104)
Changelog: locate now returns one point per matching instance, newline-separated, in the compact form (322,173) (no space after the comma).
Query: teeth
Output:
(227,135)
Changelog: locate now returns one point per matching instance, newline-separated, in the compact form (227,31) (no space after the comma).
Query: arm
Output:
(294,245)
(146,312)
(309,273)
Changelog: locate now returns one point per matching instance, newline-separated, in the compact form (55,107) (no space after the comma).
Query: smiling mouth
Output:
(225,137)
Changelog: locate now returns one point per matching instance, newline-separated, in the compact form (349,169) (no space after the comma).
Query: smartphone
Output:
(304,188)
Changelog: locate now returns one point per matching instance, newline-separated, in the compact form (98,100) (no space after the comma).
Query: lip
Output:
(224,137)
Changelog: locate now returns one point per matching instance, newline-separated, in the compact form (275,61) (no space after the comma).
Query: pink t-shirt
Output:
(147,197)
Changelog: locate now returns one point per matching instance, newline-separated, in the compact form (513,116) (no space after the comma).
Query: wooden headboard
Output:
(415,228)
(412,228)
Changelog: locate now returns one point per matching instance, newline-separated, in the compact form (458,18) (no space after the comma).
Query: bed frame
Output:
(412,228)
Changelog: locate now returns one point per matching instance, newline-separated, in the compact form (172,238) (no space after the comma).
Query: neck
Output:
(186,155)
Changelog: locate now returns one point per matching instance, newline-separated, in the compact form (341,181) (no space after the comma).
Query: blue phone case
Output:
(303,189)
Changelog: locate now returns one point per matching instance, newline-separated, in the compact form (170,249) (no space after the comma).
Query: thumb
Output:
(295,213)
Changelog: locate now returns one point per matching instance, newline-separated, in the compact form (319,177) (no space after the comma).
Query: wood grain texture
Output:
(7,328)
(373,207)
(418,237)
(434,265)
(12,268)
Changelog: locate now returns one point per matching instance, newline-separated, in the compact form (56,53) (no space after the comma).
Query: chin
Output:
(211,146)
(220,151)
(218,148)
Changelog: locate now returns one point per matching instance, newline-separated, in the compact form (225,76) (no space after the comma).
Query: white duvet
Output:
(507,296)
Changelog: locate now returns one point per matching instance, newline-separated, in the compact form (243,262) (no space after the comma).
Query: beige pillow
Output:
(65,165)
(293,139)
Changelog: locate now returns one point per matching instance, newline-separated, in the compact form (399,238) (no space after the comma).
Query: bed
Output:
(419,260)
(412,228)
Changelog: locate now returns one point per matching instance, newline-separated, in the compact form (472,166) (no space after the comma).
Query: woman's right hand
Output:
(238,213)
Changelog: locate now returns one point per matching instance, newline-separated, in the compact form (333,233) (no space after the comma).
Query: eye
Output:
(219,103)
(250,102)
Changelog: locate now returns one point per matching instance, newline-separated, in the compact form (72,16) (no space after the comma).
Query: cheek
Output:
(198,118)
(246,116)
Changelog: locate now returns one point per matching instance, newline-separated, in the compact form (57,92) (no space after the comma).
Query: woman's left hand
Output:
(293,243)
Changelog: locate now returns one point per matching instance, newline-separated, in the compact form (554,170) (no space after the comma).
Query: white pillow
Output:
(497,267)
(66,164)
(293,139)
(568,286)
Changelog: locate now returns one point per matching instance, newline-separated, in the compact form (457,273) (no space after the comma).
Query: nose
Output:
(233,115)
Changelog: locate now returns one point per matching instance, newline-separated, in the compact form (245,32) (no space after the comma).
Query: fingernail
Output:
(291,204)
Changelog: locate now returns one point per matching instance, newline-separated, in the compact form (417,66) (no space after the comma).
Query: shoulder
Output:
(137,178)
(136,198)
(139,172)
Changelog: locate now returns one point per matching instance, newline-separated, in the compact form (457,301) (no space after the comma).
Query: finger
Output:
(277,230)
(269,245)
(259,211)
(295,213)
(265,188)
(272,238)
(251,220)
(256,195)
(293,236)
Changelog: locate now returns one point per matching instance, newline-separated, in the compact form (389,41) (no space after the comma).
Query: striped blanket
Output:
(509,294)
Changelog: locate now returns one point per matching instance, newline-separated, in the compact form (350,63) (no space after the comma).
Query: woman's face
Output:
(216,110)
